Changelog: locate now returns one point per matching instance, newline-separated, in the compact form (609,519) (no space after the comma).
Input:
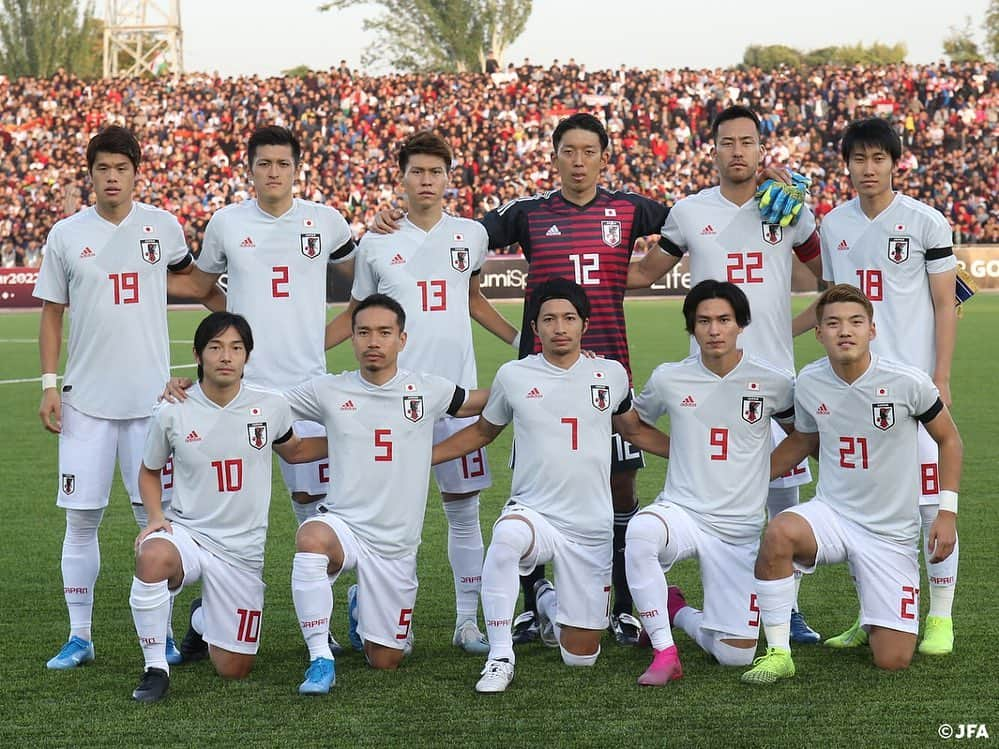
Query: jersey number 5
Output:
(383,442)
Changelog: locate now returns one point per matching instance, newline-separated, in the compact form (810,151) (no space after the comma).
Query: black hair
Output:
(426,143)
(872,132)
(380,300)
(734,112)
(114,139)
(711,289)
(559,288)
(213,326)
(581,121)
(273,135)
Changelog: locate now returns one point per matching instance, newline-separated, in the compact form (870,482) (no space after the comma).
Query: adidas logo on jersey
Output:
(87,252)
(689,402)
(193,437)
(842,246)
(535,393)
(553,231)
(348,406)
(248,242)
(708,230)
(822,410)
(398,259)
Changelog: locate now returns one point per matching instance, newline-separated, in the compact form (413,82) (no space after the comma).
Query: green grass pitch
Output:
(837,699)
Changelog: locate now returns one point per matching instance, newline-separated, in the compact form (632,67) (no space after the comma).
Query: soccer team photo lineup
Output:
(573,560)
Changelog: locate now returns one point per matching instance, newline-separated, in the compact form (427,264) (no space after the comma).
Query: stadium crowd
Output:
(500,125)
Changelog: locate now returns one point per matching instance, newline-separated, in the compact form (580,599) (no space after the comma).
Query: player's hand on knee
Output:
(943,536)
(161,524)
(50,410)
(175,389)
(386,222)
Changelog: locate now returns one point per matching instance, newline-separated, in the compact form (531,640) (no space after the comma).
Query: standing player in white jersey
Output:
(860,411)
(562,405)
(275,249)
(898,251)
(721,229)
(109,262)
(431,267)
(216,525)
(720,402)
(381,422)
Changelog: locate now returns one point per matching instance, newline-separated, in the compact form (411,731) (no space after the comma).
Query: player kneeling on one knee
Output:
(383,420)
(860,412)
(216,526)
(720,404)
(563,406)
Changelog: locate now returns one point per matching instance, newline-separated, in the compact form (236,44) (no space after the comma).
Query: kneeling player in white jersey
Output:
(898,251)
(861,412)
(380,421)
(431,267)
(720,402)
(562,405)
(109,264)
(215,528)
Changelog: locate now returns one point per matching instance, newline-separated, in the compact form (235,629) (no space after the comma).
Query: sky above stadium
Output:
(265,38)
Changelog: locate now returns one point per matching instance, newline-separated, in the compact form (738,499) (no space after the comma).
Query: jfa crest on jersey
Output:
(312,246)
(150,250)
(68,483)
(611,232)
(257,434)
(884,415)
(459,259)
(772,233)
(412,407)
(600,396)
(898,249)
(752,408)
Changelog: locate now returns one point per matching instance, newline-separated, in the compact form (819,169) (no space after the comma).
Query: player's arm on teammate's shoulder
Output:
(175,390)
(151,491)
(194,283)
(804,320)
(338,329)
(486,315)
(49,346)
(945,329)
(643,436)
(386,221)
(657,262)
(943,532)
(468,440)
(791,451)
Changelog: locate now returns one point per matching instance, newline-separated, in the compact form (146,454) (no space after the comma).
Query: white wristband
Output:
(948,500)
(516,341)
(49,380)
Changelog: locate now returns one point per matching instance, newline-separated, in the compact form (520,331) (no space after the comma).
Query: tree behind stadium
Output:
(38,37)
(441,35)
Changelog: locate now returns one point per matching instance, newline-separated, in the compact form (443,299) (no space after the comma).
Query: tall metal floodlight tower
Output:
(142,37)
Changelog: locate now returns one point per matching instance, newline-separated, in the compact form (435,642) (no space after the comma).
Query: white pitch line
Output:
(39,379)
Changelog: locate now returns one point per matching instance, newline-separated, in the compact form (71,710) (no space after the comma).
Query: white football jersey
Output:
(428,273)
(380,442)
(562,430)
(720,441)
(113,277)
(222,467)
(729,242)
(868,461)
(890,259)
(277,281)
